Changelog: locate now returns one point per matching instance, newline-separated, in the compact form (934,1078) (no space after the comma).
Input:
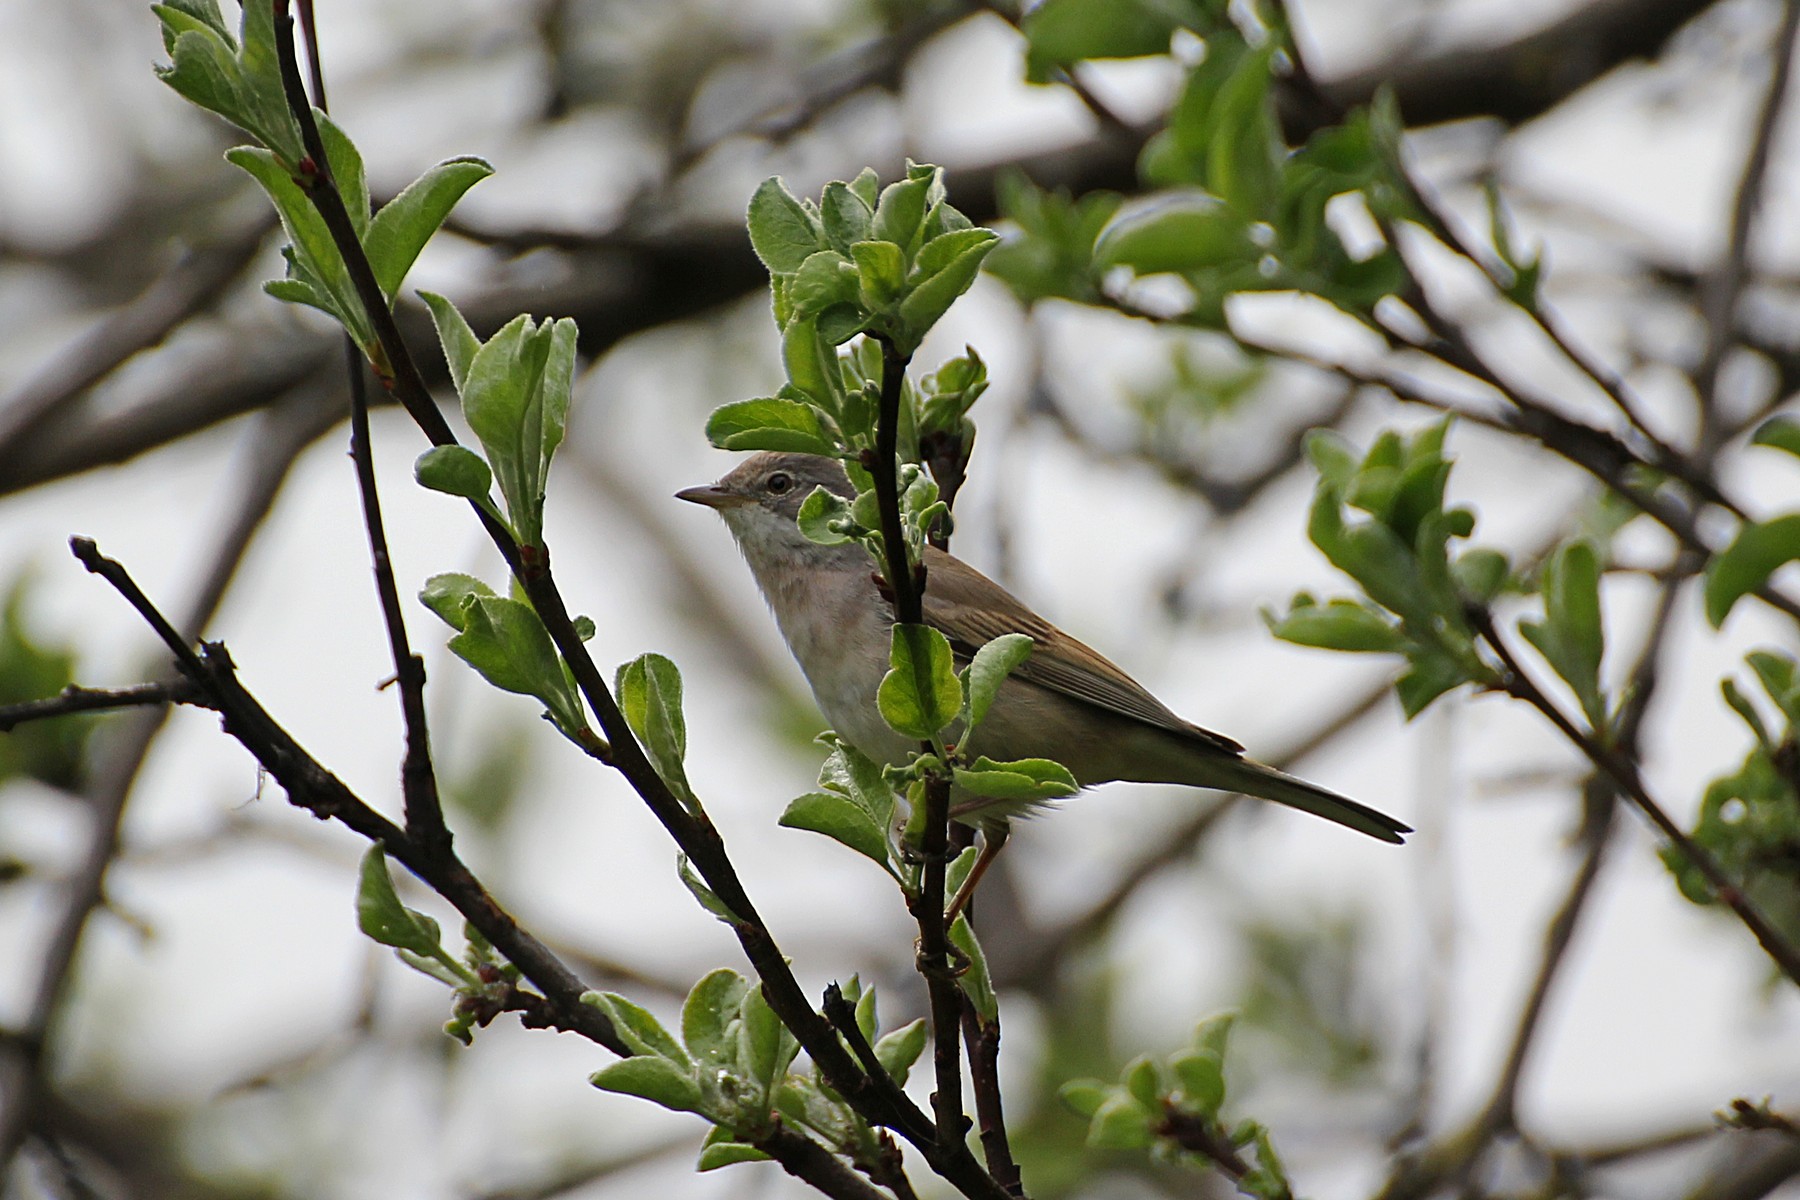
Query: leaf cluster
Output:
(1239,209)
(1172,1108)
(1750,818)
(732,1064)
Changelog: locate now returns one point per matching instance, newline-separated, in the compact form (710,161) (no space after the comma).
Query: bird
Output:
(1066,702)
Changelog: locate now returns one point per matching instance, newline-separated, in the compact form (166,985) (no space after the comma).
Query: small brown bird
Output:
(1065,702)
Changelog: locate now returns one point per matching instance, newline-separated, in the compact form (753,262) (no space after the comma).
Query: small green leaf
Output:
(1026,779)
(723,1154)
(709,899)
(899,212)
(765,1047)
(1571,637)
(976,981)
(881,272)
(825,518)
(1085,1096)
(639,1028)
(1202,1080)
(448,594)
(708,1013)
(455,470)
(988,670)
(1120,1123)
(920,695)
(649,691)
(346,171)
(845,216)
(400,230)
(1060,33)
(811,363)
(654,1079)
(899,1050)
(381,916)
(1195,235)
(1758,551)
(1142,1082)
(768,424)
(1340,625)
(842,820)
(928,299)
(825,279)
(458,340)
(782,231)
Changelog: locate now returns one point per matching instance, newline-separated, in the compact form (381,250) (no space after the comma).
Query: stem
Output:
(74,699)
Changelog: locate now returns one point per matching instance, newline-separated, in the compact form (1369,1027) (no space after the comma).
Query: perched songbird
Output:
(1065,702)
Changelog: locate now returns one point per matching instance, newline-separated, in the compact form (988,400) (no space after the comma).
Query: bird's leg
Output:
(993,837)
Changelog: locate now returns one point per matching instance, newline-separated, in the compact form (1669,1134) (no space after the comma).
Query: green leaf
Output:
(448,595)
(765,1047)
(768,423)
(825,279)
(1783,433)
(1571,637)
(782,230)
(505,641)
(455,470)
(708,1014)
(920,695)
(899,212)
(458,340)
(315,256)
(928,299)
(654,1079)
(1340,625)
(811,363)
(516,398)
(1060,33)
(845,216)
(239,80)
(899,1050)
(1201,1077)
(1481,574)
(840,819)
(1026,779)
(1120,1123)
(824,517)
(723,1154)
(639,1028)
(709,899)
(1142,1082)
(976,981)
(346,172)
(987,671)
(405,223)
(1195,234)
(1758,551)
(1085,1096)
(1429,676)
(649,691)
(850,773)
(881,272)
(381,916)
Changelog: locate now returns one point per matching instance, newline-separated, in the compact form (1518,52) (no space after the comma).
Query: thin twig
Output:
(983,1040)
(74,699)
(418,778)
(1623,772)
(1721,293)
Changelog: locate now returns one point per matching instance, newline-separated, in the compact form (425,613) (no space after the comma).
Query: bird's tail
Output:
(1252,778)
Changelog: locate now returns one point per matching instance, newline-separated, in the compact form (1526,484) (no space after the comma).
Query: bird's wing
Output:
(970,609)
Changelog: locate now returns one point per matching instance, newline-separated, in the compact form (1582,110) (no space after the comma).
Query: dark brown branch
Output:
(983,1041)
(74,699)
(310,786)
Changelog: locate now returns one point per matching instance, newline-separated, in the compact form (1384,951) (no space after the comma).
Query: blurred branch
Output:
(184,289)
(618,284)
(277,443)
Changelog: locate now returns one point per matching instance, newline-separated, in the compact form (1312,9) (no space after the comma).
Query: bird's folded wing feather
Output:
(970,609)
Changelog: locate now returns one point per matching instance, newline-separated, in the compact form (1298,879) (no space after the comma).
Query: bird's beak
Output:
(712,496)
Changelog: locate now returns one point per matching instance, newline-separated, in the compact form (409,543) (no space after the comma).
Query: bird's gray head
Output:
(760,500)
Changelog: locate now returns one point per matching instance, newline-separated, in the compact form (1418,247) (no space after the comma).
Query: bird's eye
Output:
(779,482)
